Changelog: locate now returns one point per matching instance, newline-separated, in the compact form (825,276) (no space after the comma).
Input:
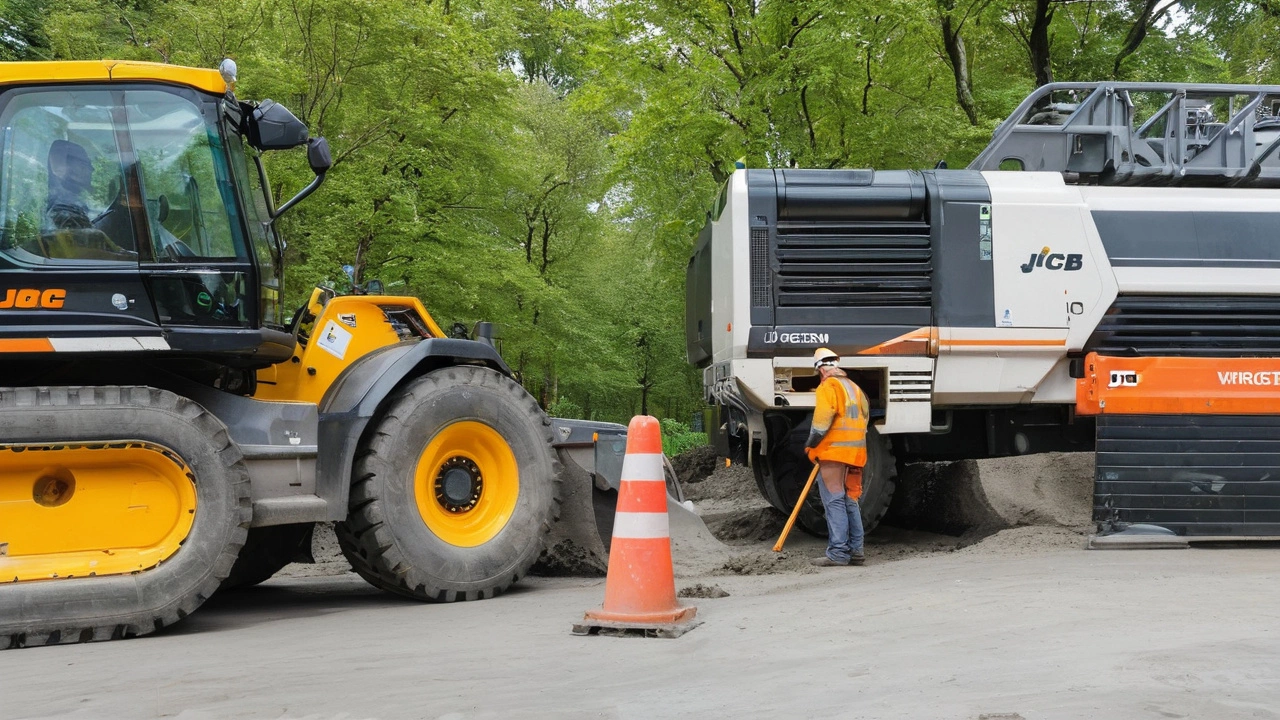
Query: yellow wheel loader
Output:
(165,430)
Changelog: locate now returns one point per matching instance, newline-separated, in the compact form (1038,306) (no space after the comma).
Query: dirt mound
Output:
(767,563)
(1031,540)
(568,559)
(695,465)
(1051,489)
(733,486)
(702,591)
(753,525)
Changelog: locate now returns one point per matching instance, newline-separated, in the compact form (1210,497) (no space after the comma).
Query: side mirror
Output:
(320,161)
(374,287)
(272,127)
(318,155)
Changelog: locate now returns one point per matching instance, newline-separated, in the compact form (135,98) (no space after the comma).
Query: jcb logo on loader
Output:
(1054,261)
(25,298)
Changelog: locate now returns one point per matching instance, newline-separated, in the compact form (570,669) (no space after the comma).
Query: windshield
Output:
(91,176)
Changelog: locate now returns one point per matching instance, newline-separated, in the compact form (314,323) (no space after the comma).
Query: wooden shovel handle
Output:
(777,547)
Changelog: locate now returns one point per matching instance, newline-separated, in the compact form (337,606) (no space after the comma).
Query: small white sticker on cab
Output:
(334,340)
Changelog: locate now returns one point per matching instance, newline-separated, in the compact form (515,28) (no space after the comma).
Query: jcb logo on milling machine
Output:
(25,298)
(1054,261)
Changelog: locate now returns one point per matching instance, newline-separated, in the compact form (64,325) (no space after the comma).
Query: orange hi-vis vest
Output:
(841,406)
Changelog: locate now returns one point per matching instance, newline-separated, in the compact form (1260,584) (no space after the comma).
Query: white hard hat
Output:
(824,355)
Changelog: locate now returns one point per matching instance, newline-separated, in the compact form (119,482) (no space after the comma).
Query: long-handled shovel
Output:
(777,547)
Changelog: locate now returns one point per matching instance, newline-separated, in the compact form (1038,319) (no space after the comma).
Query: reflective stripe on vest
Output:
(852,417)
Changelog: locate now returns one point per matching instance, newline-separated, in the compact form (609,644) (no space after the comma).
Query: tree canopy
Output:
(546,164)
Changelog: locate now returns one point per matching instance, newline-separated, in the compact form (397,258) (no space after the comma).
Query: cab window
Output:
(190,200)
(100,176)
(62,180)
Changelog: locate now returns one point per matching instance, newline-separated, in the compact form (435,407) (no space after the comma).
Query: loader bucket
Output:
(591,454)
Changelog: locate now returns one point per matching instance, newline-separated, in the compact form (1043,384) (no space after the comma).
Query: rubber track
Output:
(183,411)
(371,550)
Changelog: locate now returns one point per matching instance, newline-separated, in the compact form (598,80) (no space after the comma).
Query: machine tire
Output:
(786,469)
(266,551)
(385,536)
(49,612)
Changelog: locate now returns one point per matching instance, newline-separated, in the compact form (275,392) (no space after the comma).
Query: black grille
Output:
(1189,326)
(761,285)
(854,264)
(1207,475)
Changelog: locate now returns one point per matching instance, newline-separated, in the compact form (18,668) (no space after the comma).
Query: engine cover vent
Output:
(870,263)
(1217,326)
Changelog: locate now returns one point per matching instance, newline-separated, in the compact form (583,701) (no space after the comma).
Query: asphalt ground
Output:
(1003,629)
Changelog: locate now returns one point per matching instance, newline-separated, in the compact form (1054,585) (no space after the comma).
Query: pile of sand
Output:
(694,466)
(698,590)
(984,496)
(725,488)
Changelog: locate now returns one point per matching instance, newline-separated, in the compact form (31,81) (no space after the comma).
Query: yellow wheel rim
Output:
(466,483)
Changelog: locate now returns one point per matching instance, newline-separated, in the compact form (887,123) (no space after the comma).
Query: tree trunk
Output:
(1138,31)
(1038,43)
(959,60)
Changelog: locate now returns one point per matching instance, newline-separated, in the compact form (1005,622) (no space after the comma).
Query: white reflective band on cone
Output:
(641,526)
(643,466)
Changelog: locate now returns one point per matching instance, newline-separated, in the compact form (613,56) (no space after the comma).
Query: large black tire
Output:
(385,537)
(783,473)
(49,612)
(266,551)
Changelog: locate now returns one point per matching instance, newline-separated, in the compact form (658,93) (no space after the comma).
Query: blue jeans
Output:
(844,524)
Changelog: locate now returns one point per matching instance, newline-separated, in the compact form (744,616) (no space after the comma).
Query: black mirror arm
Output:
(310,188)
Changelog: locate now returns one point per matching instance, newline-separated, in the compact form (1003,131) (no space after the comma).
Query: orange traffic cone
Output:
(640,589)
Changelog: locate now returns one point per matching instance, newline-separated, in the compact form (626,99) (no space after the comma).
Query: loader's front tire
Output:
(455,487)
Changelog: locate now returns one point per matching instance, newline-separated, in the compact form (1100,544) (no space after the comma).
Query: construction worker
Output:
(838,443)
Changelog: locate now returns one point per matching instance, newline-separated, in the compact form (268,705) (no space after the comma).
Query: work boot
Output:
(825,561)
(858,559)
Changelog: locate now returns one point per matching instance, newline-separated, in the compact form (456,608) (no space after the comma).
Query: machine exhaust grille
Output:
(761,283)
(1219,326)
(869,263)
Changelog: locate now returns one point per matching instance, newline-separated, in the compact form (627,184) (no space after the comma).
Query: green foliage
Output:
(677,437)
(547,164)
(564,408)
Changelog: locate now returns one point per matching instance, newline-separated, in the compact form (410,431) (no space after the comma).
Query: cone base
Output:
(677,614)
(670,624)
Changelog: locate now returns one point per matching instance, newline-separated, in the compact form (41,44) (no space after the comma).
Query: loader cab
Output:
(143,204)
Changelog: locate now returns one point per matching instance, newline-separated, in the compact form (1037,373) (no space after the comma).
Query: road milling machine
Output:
(167,429)
(1104,275)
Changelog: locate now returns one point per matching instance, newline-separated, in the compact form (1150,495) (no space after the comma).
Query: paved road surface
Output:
(1002,631)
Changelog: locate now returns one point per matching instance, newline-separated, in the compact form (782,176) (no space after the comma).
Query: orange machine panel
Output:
(1178,385)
